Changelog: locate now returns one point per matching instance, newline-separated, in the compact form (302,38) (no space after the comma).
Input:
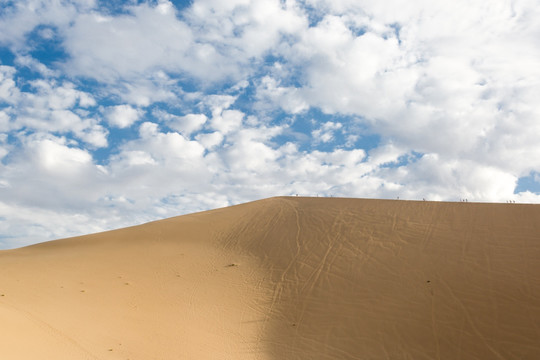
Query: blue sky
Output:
(114,113)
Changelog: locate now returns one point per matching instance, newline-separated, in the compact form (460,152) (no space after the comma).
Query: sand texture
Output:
(284,278)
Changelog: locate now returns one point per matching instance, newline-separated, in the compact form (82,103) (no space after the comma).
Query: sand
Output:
(284,278)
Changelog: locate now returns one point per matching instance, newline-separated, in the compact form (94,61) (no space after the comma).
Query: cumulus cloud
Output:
(247,28)
(186,124)
(4,122)
(8,90)
(111,47)
(34,65)
(168,146)
(325,133)
(210,140)
(58,159)
(270,92)
(49,107)
(227,121)
(19,18)
(122,116)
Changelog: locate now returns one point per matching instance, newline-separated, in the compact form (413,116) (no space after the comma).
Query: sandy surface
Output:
(284,278)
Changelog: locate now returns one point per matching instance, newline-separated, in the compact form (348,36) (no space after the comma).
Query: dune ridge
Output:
(285,278)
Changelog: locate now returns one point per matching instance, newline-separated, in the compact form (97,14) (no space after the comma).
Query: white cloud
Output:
(58,159)
(3,148)
(186,124)
(438,179)
(93,134)
(50,108)
(347,73)
(19,18)
(123,116)
(248,151)
(325,133)
(49,172)
(227,121)
(249,28)
(86,100)
(385,154)
(49,95)
(4,121)
(166,147)
(218,103)
(212,43)
(127,46)
(210,140)
(137,158)
(33,64)
(270,93)
(442,82)
(8,90)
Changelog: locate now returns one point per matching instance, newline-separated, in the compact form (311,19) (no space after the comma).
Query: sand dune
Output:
(284,278)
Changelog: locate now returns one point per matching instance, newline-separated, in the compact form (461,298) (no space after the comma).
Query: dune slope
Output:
(285,278)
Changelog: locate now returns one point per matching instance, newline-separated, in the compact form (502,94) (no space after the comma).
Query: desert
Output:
(284,278)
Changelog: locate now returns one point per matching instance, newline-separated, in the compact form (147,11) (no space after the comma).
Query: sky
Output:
(115,113)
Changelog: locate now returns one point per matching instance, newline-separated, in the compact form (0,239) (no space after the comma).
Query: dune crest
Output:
(285,278)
